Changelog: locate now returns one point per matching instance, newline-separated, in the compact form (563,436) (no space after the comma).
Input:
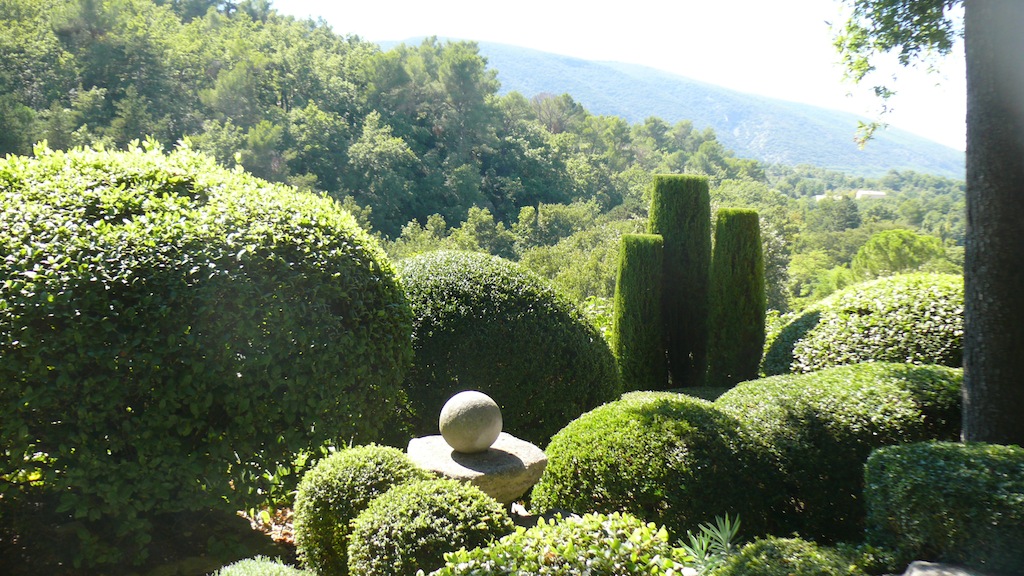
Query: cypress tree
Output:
(737,298)
(636,324)
(681,214)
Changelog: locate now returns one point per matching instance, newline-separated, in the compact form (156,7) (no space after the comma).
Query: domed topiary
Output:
(334,492)
(260,566)
(413,525)
(915,318)
(774,556)
(618,544)
(483,323)
(171,331)
(821,427)
(667,458)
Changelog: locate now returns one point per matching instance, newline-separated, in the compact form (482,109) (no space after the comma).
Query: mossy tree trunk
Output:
(737,298)
(636,324)
(681,214)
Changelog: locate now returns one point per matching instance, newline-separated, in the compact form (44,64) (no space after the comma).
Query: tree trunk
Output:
(994,267)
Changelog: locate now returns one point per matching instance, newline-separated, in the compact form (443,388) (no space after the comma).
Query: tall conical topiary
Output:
(681,214)
(636,325)
(737,298)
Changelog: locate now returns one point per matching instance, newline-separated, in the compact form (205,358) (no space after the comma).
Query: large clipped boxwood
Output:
(821,427)
(413,525)
(483,323)
(171,332)
(335,491)
(916,318)
(617,543)
(949,502)
(774,556)
(666,458)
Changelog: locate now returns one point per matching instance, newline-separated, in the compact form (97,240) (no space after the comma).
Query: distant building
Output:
(869,194)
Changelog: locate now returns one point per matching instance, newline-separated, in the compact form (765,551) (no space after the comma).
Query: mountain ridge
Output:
(769,130)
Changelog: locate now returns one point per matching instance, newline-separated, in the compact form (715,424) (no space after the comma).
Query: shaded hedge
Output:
(681,213)
(914,318)
(636,324)
(171,332)
(948,502)
(484,323)
(736,302)
(821,427)
(413,525)
(667,458)
(334,492)
(773,556)
(617,544)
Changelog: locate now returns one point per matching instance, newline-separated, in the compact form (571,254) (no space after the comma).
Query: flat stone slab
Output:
(505,471)
(920,568)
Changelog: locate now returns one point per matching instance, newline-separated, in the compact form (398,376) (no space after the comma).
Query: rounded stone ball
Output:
(470,422)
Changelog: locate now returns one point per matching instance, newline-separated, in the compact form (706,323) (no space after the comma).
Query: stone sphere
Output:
(470,422)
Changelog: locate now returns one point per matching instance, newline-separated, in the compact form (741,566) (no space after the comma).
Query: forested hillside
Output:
(423,146)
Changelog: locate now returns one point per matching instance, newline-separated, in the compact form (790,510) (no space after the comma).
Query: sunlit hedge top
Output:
(169,328)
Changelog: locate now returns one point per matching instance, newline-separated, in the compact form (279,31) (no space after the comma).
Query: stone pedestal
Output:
(505,471)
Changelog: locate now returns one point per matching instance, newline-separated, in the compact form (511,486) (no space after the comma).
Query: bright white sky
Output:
(777,48)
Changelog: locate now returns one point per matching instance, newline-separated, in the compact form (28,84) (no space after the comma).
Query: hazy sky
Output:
(780,48)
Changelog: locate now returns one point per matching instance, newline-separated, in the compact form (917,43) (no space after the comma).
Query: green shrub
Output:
(915,318)
(681,214)
(667,458)
(171,332)
(788,557)
(636,327)
(260,566)
(334,492)
(484,323)
(736,303)
(821,427)
(949,502)
(413,525)
(592,544)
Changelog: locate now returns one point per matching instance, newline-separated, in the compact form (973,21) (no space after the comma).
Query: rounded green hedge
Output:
(260,566)
(592,544)
(413,525)
(820,428)
(949,502)
(171,332)
(334,492)
(667,458)
(774,556)
(915,318)
(483,323)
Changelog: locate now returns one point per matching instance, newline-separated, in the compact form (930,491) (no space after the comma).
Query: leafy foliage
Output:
(681,214)
(773,556)
(948,502)
(819,428)
(712,544)
(592,544)
(736,303)
(662,457)
(171,333)
(484,323)
(260,566)
(894,251)
(909,318)
(334,492)
(636,329)
(413,525)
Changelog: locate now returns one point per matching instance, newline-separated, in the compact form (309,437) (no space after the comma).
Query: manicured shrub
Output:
(334,492)
(915,318)
(736,303)
(260,566)
(667,458)
(591,544)
(484,323)
(413,525)
(774,556)
(949,502)
(821,427)
(636,326)
(171,332)
(681,213)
